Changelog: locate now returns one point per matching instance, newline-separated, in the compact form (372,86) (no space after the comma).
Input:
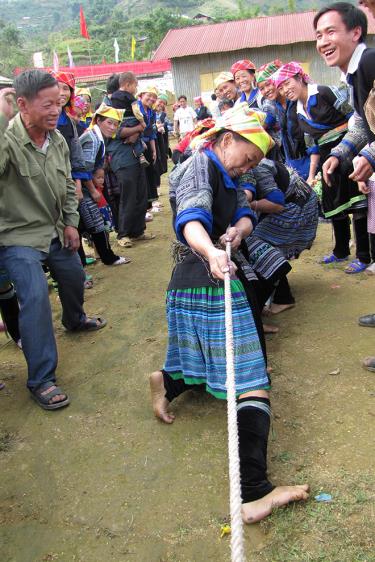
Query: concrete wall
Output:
(187,71)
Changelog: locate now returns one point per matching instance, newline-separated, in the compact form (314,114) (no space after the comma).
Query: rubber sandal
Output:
(44,401)
(90,261)
(121,261)
(125,242)
(91,325)
(355,266)
(332,259)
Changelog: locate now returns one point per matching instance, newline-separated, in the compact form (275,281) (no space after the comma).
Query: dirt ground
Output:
(102,480)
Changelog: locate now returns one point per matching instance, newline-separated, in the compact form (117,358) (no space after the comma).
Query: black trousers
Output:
(341,228)
(133,201)
(103,247)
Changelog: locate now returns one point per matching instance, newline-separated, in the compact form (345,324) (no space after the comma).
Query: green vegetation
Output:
(28,26)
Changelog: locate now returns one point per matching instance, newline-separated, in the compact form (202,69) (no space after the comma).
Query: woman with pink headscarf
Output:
(200,109)
(323,113)
(244,73)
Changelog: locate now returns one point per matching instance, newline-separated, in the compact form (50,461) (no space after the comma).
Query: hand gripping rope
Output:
(237,538)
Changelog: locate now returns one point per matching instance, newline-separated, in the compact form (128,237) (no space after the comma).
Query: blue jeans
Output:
(24,267)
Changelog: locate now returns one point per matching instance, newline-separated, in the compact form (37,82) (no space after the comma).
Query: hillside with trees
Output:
(28,26)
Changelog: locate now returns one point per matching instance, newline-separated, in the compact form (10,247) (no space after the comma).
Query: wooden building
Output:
(199,53)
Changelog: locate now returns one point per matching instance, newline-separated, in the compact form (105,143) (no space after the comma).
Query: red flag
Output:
(84,31)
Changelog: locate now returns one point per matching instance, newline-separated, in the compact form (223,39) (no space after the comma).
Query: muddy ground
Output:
(103,481)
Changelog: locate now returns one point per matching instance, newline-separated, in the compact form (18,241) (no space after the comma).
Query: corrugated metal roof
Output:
(236,35)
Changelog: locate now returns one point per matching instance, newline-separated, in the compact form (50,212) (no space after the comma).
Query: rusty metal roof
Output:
(282,29)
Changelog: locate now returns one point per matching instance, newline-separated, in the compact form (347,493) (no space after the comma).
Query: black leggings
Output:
(283,293)
(253,418)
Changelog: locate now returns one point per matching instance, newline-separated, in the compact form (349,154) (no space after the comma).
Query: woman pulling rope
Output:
(204,194)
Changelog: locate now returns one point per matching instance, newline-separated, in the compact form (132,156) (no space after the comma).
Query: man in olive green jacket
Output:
(38,225)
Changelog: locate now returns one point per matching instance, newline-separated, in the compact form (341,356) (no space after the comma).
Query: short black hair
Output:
(29,83)
(351,16)
(113,83)
(182,97)
(213,97)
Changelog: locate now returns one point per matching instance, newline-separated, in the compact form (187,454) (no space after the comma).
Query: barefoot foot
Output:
(159,401)
(277,308)
(282,495)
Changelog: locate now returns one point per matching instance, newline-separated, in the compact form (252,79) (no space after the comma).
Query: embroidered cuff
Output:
(81,175)
(313,150)
(244,212)
(247,186)
(193,214)
(369,157)
(276,197)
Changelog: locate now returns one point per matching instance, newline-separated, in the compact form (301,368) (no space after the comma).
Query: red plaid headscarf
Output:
(242,65)
(68,79)
(288,71)
(65,77)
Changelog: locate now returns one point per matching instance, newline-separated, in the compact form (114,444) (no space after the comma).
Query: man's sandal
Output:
(90,325)
(44,400)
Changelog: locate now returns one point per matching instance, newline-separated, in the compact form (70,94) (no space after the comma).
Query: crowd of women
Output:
(247,178)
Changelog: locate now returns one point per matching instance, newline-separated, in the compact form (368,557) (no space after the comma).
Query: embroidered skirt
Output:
(196,340)
(91,216)
(293,230)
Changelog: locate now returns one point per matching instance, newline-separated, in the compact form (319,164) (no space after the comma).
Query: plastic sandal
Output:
(125,242)
(121,261)
(90,325)
(332,259)
(44,400)
(356,266)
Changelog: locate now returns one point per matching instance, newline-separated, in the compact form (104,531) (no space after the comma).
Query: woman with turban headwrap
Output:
(245,79)
(85,94)
(207,198)
(225,87)
(200,109)
(147,98)
(294,150)
(323,113)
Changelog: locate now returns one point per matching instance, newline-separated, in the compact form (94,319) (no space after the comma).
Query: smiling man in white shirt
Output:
(185,118)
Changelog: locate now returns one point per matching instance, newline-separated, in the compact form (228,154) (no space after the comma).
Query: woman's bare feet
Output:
(282,495)
(277,308)
(159,401)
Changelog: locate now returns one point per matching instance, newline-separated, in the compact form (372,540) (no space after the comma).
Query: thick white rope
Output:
(237,538)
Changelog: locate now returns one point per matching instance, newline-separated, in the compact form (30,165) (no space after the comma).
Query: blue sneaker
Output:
(332,259)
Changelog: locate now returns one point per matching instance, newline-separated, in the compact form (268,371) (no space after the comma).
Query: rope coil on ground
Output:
(237,538)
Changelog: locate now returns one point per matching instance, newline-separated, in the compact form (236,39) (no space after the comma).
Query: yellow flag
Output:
(132,48)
